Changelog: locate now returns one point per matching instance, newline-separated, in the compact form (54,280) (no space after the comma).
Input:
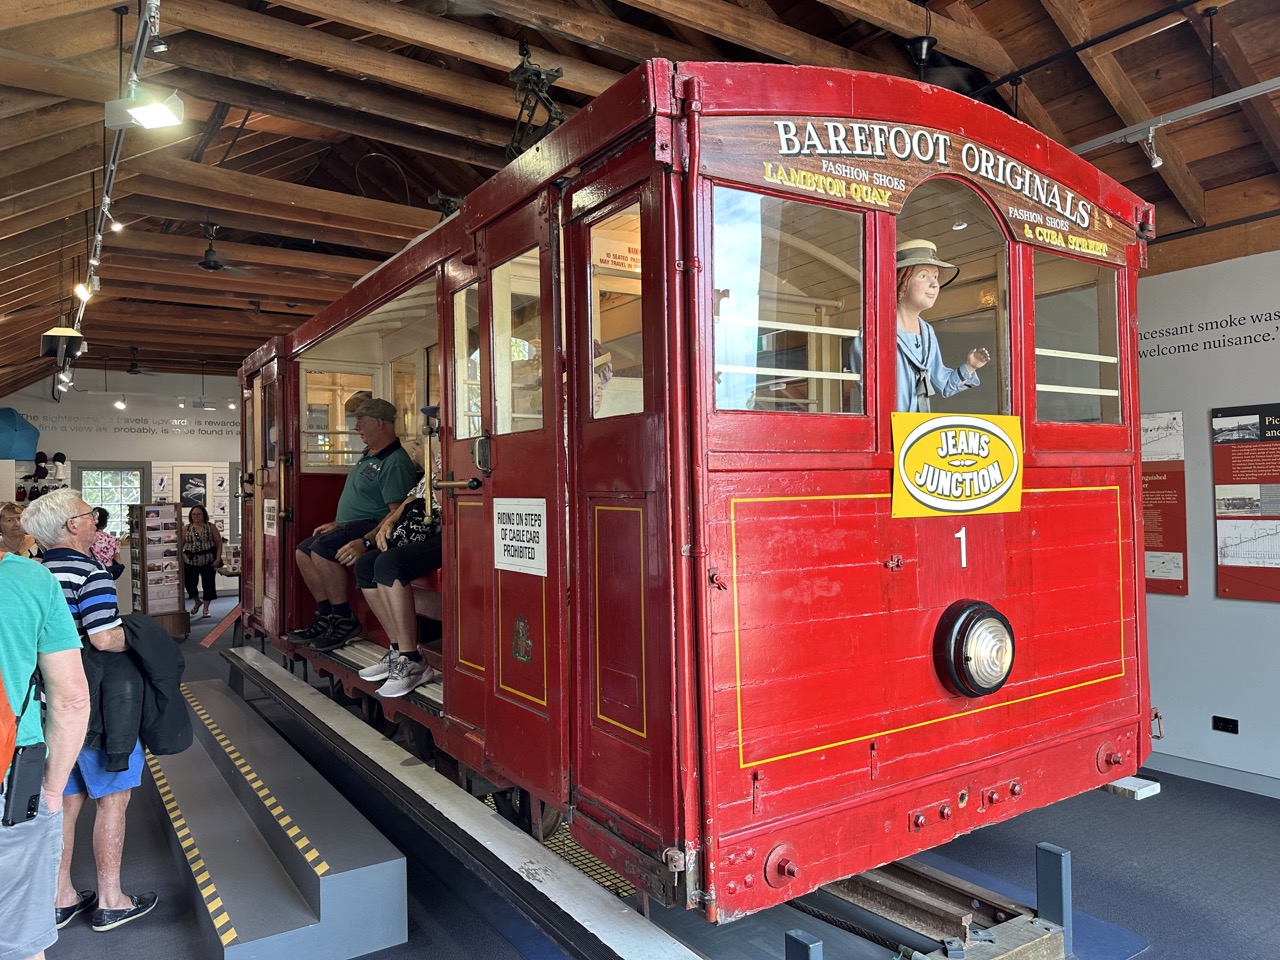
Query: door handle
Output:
(480,453)
(473,483)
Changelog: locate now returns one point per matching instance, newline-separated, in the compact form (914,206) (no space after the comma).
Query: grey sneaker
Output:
(382,668)
(404,676)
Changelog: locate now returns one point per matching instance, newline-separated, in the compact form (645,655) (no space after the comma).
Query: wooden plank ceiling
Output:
(318,131)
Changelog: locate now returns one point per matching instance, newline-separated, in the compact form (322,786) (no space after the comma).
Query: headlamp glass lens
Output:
(988,652)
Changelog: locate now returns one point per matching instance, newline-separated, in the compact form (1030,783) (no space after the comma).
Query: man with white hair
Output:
(64,526)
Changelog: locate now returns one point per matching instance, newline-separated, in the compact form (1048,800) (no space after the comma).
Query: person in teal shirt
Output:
(377,484)
(37,631)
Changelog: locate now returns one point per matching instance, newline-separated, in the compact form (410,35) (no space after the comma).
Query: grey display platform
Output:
(279,863)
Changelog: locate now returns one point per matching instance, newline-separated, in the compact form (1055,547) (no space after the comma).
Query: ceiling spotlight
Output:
(82,291)
(231,404)
(1149,148)
(159,46)
(182,403)
(960,224)
(116,225)
(95,261)
(63,387)
(143,109)
(120,404)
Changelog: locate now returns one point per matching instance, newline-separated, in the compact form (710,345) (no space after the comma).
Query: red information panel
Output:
(1164,525)
(1246,479)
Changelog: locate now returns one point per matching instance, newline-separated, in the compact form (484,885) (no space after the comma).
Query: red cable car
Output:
(708,589)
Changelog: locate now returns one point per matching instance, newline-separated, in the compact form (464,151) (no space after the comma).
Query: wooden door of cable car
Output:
(624,751)
(263,507)
(509,535)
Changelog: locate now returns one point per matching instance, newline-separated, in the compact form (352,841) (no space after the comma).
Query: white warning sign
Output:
(520,535)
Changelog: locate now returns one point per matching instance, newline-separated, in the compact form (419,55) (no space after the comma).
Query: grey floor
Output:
(1194,871)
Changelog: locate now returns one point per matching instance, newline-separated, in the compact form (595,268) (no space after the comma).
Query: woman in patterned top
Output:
(106,547)
(201,553)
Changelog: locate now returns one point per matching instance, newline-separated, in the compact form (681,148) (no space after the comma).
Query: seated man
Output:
(379,481)
(406,547)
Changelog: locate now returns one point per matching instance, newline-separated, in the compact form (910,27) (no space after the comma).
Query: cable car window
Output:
(404,393)
(969,319)
(617,334)
(329,438)
(1077,341)
(466,363)
(517,329)
(788,304)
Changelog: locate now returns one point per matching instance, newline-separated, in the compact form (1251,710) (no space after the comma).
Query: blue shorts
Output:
(327,545)
(90,774)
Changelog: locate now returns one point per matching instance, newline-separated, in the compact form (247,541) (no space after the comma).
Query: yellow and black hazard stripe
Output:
(204,883)
(274,806)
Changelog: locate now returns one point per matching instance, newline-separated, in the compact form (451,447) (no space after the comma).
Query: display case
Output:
(155,561)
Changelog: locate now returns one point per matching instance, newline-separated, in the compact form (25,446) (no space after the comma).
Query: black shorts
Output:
(327,545)
(402,564)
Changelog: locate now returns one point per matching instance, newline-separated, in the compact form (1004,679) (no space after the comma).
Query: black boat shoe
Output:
(64,915)
(104,920)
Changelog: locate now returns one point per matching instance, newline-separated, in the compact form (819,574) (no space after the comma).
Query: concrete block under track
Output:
(278,863)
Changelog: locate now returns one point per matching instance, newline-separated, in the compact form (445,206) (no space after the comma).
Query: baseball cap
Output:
(377,408)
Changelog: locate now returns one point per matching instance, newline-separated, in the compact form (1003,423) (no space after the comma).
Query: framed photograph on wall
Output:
(194,489)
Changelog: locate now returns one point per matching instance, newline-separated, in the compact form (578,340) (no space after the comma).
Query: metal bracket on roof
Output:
(532,84)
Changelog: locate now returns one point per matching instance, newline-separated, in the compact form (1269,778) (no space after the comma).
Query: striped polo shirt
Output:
(89,589)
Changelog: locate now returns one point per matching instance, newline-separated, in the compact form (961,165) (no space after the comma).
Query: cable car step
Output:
(285,865)
(586,921)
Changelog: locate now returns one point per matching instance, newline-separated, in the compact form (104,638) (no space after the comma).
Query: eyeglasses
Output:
(87,513)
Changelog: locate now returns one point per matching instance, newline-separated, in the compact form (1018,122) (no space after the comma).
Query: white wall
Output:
(85,425)
(1212,656)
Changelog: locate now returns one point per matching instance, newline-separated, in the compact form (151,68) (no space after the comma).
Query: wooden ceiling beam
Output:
(289,40)
(595,30)
(748,30)
(1234,65)
(200,297)
(192,248)
(159,338)
(1029,108)
(14,15)
(245,285)
(70,208)
(49,122)
(232,220)
(60,79)
(351,122)
(1128,104)
(456,40)
(258,70)
(234,321)
(247,193)
(905,19)
(14,101)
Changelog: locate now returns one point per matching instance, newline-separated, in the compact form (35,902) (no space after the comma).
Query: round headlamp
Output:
(973,648)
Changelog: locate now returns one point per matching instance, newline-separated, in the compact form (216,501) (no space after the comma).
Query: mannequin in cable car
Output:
(922,374)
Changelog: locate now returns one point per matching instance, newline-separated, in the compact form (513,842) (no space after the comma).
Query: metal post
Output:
(1053,889)
(802,946)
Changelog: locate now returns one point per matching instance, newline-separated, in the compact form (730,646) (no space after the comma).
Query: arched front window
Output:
(971,312)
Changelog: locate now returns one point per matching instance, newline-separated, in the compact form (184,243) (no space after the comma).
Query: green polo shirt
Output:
(36,620)
(378,480)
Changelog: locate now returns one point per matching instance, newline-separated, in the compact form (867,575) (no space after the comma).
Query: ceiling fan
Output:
(212,261)
(135,370)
